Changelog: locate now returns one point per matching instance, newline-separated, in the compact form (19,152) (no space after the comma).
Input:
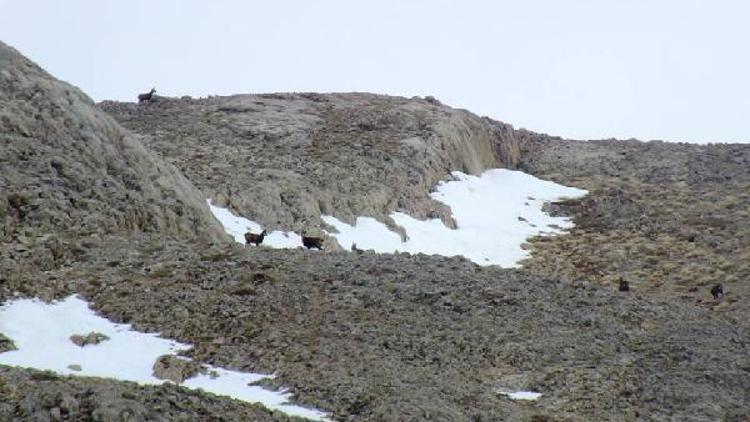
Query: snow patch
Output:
(41,332)
(495,214)
(237,227)
(521,395)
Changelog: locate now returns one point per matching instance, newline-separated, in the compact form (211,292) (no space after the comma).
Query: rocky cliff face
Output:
(70,171)
(285,159)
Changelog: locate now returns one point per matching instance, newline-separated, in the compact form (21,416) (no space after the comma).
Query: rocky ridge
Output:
(283,160)
(69,172)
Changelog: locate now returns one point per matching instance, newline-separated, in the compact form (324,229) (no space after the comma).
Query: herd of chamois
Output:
(307,241)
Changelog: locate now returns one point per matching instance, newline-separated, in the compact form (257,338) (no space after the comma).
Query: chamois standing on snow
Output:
(257,239)
(147,96)
(312,242)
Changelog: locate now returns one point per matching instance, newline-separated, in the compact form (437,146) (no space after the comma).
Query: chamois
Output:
(624,285)
(717,291)
(257,239)
(147,96)
(312,242)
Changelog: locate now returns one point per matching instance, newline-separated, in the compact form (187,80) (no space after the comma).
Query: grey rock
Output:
(175,369)
(92,338)
(6,344)
(287,159)
(78,172)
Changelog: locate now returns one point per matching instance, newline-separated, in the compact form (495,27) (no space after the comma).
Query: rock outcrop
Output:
(285,159)
(68,170)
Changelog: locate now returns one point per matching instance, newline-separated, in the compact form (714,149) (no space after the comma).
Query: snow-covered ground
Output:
(495,214)
(41,333)
(238,226)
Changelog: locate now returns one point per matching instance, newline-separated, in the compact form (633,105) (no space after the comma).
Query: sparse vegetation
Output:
(668,231)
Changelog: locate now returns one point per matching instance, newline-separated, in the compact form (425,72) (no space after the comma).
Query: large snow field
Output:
(41,333)
(495,213)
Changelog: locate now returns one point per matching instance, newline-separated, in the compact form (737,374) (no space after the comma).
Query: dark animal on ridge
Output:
(147,96)
(717,291)
(312,242)
(257,239)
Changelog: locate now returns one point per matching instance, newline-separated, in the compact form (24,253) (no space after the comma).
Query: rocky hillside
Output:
(393,337)
(70,171)
(671,219)
(105,212)
(284,159)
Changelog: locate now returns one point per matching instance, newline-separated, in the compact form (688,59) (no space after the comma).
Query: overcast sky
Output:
(672,69)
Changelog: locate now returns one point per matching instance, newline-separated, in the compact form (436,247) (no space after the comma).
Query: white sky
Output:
(651,69)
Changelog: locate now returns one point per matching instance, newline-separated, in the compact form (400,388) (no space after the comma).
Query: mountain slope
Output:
(616,358)
(70,171)
(671,219)
(361,335)
(283,160)
(414,337)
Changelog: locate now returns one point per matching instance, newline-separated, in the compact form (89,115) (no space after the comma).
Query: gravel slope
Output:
(672,219)
(44,396)
(396,337)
